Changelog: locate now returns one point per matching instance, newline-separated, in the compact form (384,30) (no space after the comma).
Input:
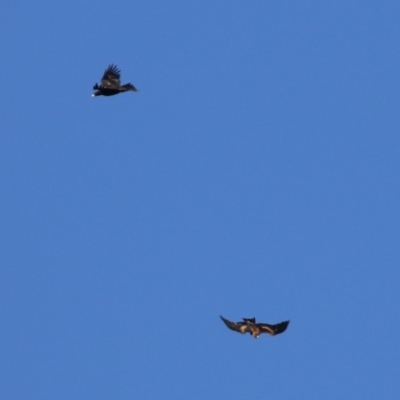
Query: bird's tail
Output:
(129,86)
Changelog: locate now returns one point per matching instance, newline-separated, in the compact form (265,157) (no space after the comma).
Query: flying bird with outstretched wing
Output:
(255,329)
(110,83)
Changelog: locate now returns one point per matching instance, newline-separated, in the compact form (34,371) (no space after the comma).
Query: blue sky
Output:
(255,174)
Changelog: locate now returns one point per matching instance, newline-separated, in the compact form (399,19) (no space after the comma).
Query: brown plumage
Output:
(255,329)
(110,83)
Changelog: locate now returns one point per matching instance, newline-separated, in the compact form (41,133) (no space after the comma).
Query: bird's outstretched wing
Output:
(273,329)
(111,77)
(238,327)
(253,320)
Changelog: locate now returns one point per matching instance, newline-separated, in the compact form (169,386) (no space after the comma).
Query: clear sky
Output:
(255,174)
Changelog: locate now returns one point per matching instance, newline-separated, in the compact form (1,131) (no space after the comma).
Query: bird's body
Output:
(110,83)
(255,329)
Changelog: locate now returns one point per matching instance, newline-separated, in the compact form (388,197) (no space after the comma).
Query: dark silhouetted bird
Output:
(110,83)
(255,329)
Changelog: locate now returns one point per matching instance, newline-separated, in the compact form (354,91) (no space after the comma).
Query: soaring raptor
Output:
(110,83)
(255,329)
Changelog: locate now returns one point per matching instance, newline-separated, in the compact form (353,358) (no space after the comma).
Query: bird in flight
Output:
(255,329)
(110,83)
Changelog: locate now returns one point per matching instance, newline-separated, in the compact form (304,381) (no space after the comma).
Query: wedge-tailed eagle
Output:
(110,83)
(255,329)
